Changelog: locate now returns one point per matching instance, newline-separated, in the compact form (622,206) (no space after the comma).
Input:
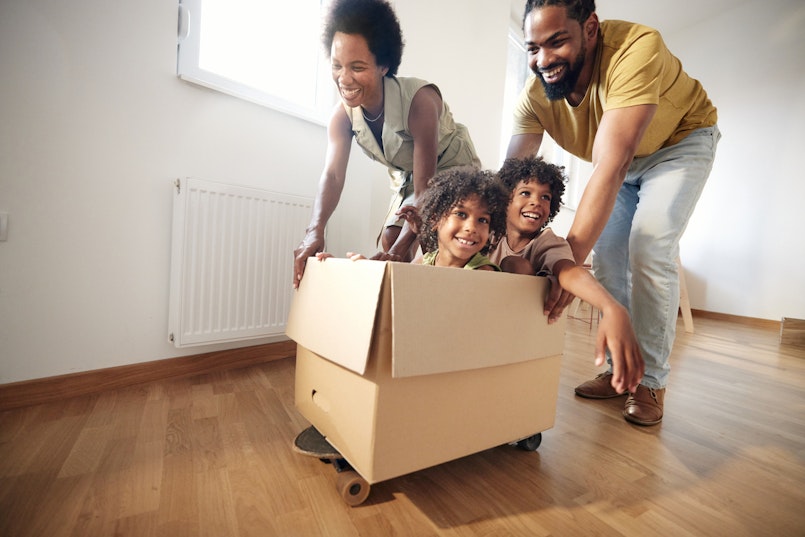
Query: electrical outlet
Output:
(3,226)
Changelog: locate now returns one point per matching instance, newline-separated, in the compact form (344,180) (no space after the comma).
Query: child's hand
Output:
(355,257)
(321,256)
(411,215)
(556,301)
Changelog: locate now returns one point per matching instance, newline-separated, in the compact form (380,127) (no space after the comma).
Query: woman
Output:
(401,122)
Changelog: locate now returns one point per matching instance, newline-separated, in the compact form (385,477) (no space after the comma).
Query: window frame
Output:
(190,13)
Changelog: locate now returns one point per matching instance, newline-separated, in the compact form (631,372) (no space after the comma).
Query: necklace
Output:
(371,120)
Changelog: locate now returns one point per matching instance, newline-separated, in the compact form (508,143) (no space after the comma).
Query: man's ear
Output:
(591,26)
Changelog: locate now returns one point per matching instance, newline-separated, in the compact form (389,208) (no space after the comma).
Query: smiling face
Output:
(462,232)
(355,72)
(529,210)
(558,49)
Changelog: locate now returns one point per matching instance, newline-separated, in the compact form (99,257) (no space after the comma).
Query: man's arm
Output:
(615,332)
(614,148)
(523,145)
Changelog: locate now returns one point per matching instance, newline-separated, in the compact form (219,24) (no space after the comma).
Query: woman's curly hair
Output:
(515,170)
(375,20)
(452,186)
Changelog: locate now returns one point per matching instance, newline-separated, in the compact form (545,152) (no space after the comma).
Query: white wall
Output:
(95,126)
(745,246)
(94,129)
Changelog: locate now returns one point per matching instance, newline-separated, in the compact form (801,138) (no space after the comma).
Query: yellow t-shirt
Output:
(632,67)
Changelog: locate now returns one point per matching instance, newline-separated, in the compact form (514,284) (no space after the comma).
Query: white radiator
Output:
(232,261)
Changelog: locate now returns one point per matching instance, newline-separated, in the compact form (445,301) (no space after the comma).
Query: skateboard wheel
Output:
(531,443)
(352,487)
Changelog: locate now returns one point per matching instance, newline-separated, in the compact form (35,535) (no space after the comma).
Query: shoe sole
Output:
(641,422)
(590,396)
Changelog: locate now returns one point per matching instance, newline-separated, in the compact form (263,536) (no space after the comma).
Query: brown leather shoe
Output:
(598,388)
(644,407)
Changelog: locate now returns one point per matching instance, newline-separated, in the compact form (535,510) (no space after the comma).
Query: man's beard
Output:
(560,90)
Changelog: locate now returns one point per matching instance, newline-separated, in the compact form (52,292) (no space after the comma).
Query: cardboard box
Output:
(405,366)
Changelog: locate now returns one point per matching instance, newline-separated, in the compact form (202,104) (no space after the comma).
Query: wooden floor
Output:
(211,456)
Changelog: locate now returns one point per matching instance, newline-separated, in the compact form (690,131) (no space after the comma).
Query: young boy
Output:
(529,247)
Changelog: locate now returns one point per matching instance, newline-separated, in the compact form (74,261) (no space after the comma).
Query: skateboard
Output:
(350,485)
(530,443)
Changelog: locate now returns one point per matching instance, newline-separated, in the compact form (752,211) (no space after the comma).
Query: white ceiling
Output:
(665,15)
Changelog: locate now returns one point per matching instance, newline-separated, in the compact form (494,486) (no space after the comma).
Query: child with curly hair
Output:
(535,190)
(462,210)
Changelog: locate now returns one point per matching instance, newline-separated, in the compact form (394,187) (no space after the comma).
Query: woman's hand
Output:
(312,244)
(321,256)
(385,256)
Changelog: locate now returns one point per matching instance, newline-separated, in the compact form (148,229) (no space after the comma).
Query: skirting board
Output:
(50,389)
(737,319)
(792,332)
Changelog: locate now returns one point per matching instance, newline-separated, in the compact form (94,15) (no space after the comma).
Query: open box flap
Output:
(475,318)
(333,310)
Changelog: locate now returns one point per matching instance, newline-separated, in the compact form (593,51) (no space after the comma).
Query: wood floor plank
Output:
(178,499)
(254,514)
(327,516)
(211,455)
(216,511)
(86,453)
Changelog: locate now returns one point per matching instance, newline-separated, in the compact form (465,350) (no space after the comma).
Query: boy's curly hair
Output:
(449,188)
(375,20)
(536,169)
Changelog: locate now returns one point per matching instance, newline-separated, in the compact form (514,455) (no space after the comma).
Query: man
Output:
(611,93)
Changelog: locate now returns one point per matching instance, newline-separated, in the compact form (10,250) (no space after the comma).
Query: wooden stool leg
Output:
(574,307)
(684,301)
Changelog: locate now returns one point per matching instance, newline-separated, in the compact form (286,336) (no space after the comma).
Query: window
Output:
(265,51)
(517,72)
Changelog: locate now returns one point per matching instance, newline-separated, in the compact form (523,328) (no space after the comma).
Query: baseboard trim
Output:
(749,321)
(51,389)
(792,332)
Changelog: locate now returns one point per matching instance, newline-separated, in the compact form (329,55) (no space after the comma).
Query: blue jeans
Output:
(635,256)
